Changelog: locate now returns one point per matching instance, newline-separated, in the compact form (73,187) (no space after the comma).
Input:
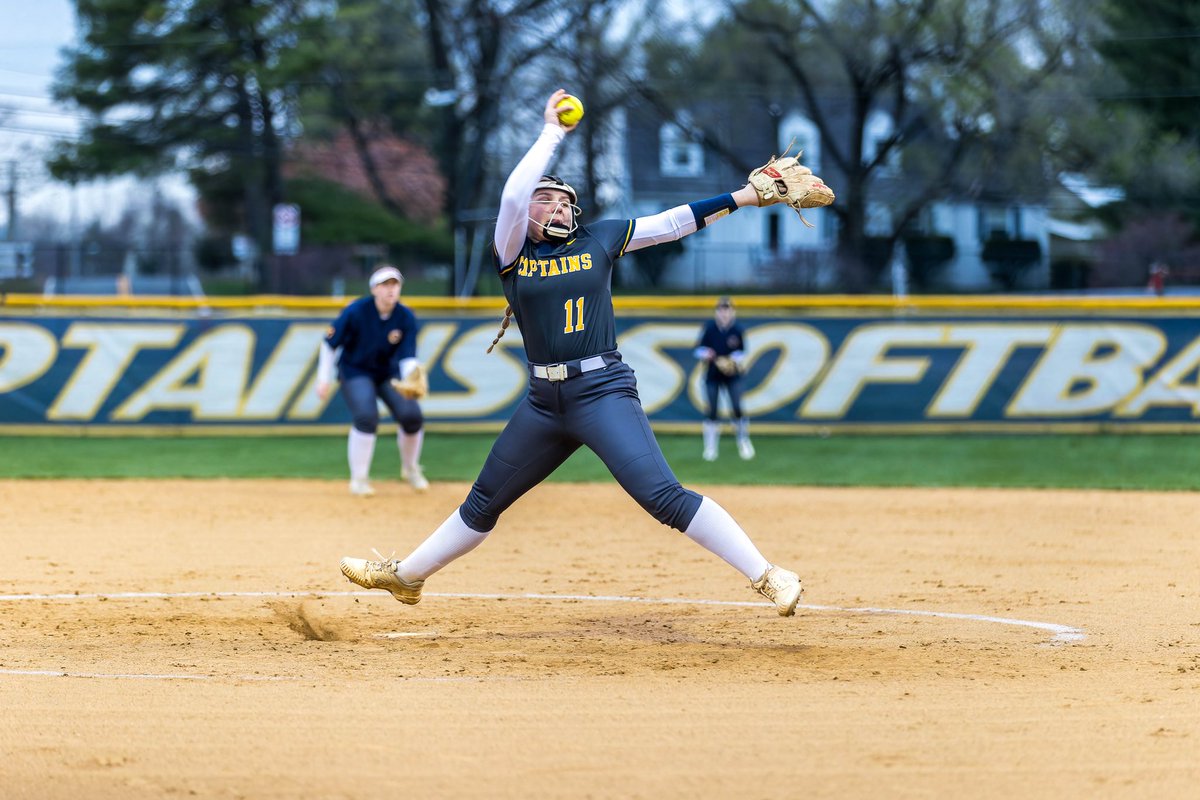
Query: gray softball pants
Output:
(600,410)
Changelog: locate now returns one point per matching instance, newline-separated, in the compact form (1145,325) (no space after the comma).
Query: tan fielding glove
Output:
(786,180)
(415,386)
(726,365)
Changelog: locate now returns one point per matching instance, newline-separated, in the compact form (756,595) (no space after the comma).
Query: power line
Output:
(41,75)
(46,112)
(56,134)
(12,91)
(1147,37)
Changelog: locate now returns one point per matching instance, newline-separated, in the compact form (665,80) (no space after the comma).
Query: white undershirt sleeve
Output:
(513,220)
(668,226)
(327,359)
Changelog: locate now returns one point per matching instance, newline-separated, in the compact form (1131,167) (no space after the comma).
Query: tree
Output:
(1125,259)
(377,166)
(362,76)
(1151,45)
(602,63)
(190,86)
(335,215)
(601,60)
(478,49)
(969,89)
(444,73)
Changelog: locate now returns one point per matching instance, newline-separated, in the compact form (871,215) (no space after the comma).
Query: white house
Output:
(668,163)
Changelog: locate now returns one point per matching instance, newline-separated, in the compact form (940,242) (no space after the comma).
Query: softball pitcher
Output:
(557,279)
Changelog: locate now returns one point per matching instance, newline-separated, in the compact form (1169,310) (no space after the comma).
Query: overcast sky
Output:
(32,34)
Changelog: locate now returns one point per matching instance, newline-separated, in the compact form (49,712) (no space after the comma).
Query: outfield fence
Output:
(99,365)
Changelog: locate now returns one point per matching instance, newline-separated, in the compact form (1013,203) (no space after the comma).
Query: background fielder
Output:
(722,347)
(557,277)
(373,341)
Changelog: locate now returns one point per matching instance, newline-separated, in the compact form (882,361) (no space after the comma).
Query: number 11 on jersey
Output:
(578,316)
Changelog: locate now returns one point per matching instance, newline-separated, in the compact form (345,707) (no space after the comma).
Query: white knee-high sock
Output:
(410,447)
(360,449)
(452,539)
(716,531)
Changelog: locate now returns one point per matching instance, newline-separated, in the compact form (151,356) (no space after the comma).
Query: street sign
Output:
(16,259)
(286,235)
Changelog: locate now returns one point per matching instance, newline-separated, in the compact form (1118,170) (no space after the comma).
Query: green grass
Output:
(1161,462)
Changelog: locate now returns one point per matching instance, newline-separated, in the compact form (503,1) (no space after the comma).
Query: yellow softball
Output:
(570,110)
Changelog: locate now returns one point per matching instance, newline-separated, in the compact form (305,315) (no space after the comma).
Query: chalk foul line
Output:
(1062,634)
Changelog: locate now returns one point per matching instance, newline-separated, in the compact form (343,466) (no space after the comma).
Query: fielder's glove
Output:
(786,180)
(727,366)
(415,386)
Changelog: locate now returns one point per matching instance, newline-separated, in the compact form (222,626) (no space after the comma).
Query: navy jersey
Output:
(722,343)
(561,293)
(372,346)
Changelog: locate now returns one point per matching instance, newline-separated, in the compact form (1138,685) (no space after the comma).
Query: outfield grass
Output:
(1166,462)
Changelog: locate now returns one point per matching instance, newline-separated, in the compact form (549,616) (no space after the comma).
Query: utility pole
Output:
(12,201)
(76,238)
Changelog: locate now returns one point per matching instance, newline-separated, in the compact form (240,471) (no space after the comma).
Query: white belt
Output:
(558,372)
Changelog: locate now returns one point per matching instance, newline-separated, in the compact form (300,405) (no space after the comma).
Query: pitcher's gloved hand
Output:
(786,180)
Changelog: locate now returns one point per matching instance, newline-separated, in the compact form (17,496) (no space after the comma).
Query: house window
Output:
(922,224)
(876,133)
(878,221)
(799,131)
(999,222)
(773,232)
(678,155)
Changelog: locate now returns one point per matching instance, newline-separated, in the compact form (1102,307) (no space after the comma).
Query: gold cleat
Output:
(782,588)
(382,575)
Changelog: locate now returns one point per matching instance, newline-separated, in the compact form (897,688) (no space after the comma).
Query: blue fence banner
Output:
(831,371)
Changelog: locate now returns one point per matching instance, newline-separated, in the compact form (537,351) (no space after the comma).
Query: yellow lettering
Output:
(110,349)
(586,260)
(865,358)
(987,348)
(207,379)
(487,384)
(801,353)
(647,346)
(572,264)
(1088,369)
(26,353)
(286,367)
(554,270)
(1176,384)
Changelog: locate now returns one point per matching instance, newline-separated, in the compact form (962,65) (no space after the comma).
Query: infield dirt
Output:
(296,686)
